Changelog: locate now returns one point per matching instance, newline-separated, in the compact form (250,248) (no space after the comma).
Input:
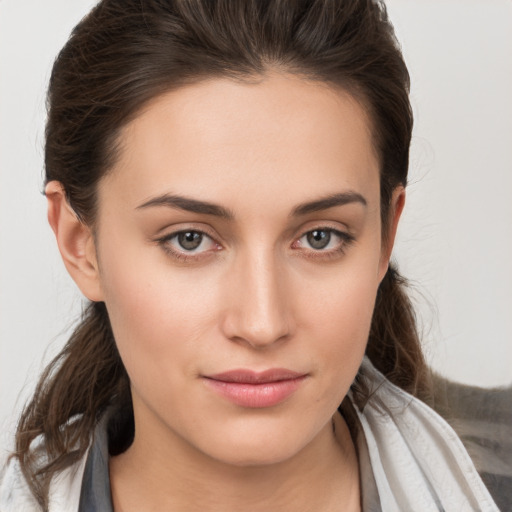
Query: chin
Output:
(258,446)
(255,455)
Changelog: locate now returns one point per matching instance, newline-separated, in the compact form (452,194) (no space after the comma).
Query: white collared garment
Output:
(410,460)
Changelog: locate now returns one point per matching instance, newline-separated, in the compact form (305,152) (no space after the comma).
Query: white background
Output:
(455,242)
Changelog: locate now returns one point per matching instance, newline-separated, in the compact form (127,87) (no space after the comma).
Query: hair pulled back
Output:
(125,53)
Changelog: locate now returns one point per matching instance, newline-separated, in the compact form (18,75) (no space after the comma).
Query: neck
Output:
(323,476)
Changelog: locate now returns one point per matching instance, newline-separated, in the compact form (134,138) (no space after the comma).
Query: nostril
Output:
(264,333)
(257,328)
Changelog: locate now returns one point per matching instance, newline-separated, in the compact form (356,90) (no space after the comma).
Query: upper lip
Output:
(242,376)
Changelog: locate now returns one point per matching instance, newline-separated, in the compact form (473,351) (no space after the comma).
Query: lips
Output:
(247,388)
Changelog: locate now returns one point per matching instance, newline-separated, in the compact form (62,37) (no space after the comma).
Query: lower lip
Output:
(266,394)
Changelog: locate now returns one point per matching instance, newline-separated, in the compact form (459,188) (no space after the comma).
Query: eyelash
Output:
(164,242)
(345,241)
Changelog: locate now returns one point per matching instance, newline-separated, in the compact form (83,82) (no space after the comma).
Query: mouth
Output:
(247,388)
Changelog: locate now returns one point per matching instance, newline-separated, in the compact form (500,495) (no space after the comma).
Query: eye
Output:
(189,240)
(321,242)
(188,244)
(319,238)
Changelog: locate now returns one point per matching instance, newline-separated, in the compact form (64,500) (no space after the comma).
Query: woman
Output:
(225,181)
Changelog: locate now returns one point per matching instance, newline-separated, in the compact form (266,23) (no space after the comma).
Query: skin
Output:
(255,294)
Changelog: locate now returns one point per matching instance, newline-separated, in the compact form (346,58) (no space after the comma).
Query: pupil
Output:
(190,240)
(319,239)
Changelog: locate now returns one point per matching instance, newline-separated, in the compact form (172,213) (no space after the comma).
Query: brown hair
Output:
(126,52)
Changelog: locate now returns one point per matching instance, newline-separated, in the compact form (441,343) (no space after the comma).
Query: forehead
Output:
(283,136)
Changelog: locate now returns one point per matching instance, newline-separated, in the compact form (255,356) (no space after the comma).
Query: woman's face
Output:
(239,251)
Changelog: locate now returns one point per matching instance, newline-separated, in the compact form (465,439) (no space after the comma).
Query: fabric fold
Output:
(417,459)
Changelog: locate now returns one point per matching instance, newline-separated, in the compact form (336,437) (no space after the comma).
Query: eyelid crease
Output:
(345,236)
(183,227)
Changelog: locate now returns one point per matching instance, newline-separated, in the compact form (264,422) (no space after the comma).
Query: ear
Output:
(76,242)
(395,211)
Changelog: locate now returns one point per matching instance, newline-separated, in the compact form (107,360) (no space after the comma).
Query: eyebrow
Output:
(188,204)
(327,202)
(207,208)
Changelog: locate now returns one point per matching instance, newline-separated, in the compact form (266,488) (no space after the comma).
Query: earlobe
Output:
(75,241)
(395,212)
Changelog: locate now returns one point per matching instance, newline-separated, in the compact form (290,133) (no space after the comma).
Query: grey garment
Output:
(370,501)
(482,419)
(95,493)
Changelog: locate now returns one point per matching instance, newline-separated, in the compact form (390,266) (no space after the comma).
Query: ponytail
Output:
(73,391)
(394,347)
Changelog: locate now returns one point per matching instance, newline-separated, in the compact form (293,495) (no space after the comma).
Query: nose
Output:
(259,311)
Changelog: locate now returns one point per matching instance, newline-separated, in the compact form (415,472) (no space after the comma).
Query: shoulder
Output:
(15,494)
(417,459)
(482,418)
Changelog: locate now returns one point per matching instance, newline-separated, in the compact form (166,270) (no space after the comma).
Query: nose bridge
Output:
(260,313)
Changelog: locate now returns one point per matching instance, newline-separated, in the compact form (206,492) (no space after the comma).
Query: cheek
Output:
(159,316)
(338,316)
(342,301)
